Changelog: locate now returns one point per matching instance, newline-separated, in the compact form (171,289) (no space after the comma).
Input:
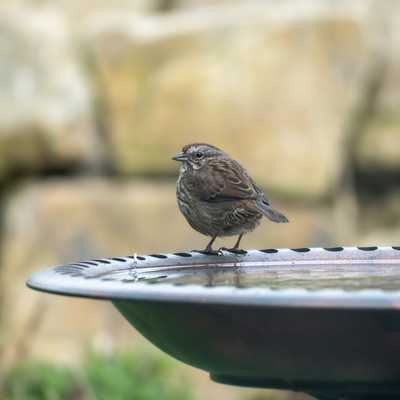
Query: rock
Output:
(78,10)
(45,102)
(379,147)
(380,144)
(381,237)
(60,221)
(383,214)
(273,84)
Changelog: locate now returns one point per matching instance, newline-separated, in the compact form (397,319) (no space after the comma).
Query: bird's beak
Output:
(180,156)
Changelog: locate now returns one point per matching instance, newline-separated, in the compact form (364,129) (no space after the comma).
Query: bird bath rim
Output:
(116,278)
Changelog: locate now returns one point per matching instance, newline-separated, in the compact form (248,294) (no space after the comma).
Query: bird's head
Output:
(196,155)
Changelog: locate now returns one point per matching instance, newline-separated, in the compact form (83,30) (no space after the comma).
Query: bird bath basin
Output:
(322,321)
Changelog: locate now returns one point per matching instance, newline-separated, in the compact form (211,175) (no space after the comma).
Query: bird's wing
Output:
(228,181)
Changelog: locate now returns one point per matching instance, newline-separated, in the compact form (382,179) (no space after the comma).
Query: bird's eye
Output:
(199,154)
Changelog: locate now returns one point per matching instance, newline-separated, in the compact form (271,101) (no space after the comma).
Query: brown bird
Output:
(217,196)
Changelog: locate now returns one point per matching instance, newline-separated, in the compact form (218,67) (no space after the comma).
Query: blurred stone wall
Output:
(96,96)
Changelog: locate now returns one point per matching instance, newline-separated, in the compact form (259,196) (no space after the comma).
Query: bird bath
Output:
(322,321)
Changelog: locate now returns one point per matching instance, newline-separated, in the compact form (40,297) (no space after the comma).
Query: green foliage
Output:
(123,376)
(133,376)
(39,380)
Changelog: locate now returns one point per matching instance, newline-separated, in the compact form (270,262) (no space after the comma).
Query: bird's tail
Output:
(270,212)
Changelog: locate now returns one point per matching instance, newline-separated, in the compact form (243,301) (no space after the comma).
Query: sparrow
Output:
(217,196)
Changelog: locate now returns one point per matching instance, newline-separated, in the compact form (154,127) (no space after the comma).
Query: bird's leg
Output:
(209,248)
(235,248)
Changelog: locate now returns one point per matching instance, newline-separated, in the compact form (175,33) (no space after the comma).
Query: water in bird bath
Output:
(310,277)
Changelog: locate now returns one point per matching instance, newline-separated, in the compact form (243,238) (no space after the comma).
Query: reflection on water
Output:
(347,277)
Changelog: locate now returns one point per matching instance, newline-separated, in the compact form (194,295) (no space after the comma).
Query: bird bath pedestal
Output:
(322,321)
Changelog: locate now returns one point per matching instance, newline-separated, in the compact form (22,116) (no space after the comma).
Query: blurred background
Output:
(95,98)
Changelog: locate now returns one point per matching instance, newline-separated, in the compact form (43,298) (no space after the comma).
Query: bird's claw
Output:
(220,251)
(233,250)
(208,252)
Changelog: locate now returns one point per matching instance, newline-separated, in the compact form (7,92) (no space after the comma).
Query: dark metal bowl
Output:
(324,321)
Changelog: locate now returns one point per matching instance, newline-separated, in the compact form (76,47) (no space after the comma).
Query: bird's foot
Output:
(208,252)
(211,252)
(233,250)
